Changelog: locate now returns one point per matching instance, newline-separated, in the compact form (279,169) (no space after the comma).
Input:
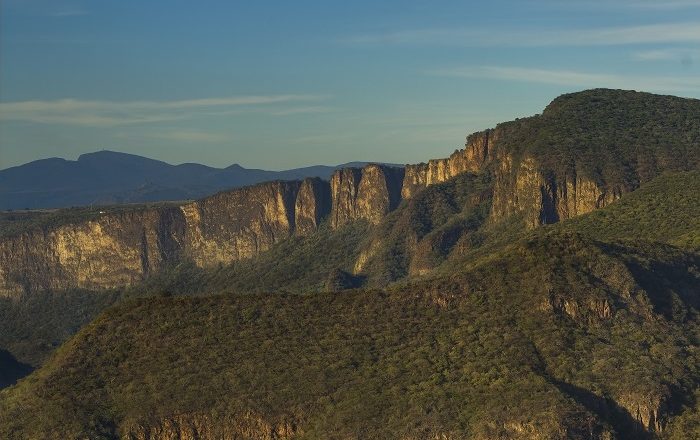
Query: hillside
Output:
(584,152)
(109,177)
(543,282)
(554,337)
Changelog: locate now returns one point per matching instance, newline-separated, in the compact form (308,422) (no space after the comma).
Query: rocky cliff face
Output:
(473,157)
(527,187)
(312,205)
(531,173)
(369,193)
(200,426)
(121,248)
(113,250)
(239,224)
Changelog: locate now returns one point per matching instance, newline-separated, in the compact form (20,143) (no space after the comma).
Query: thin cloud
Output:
(191,136)
(688,32)
(301,110)
(668,54)
(575,78)
(112,113)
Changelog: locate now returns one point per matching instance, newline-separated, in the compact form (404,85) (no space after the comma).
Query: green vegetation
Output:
(440,322)
(33,325)
(667,209)
(521,340)
(617,137)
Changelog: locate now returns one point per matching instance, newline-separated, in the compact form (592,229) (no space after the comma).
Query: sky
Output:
(284,84)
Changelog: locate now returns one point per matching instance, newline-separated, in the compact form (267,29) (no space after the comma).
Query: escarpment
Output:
(313,204)
(473,157)
(582,153)
(369,193)
(239,224)
(113,250)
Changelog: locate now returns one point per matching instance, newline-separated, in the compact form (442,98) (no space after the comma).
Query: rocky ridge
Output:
(541,185)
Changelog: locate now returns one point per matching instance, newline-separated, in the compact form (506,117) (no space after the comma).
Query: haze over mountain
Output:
(109,177)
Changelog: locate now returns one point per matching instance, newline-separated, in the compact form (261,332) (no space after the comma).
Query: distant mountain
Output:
(109,177)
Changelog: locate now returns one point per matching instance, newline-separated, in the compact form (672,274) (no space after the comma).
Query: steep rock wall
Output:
(369,193)
(120,248)
(312,205)
(114,250)
(524,186)
(474,156)
(239,224)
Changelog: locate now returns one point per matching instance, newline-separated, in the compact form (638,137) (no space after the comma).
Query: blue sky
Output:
(281,84)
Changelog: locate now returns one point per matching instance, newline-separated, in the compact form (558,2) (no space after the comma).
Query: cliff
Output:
(120,248)
(583,153)
(113,250)
(370,193)
(239,224)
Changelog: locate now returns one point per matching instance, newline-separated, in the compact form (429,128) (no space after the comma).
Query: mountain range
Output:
(541,283)
(109,177)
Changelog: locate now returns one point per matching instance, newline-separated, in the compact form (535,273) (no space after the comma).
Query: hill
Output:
(109,177)
(555,336)
(541,283)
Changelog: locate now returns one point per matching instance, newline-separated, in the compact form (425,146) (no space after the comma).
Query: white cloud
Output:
(301,110)
(688,32)
(112,113)
(667,54)
(575,78)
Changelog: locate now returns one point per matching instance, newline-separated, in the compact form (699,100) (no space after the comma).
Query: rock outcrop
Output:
(312,205)
(524,186)
(369,193)
(239,224)
(473,157)
(120,248)
(200,426)
(531,176)
(114,250)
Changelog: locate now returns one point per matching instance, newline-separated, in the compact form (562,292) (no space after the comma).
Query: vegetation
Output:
(33,325)
(440,322)
(521,339)
(617,137)
(667,209)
